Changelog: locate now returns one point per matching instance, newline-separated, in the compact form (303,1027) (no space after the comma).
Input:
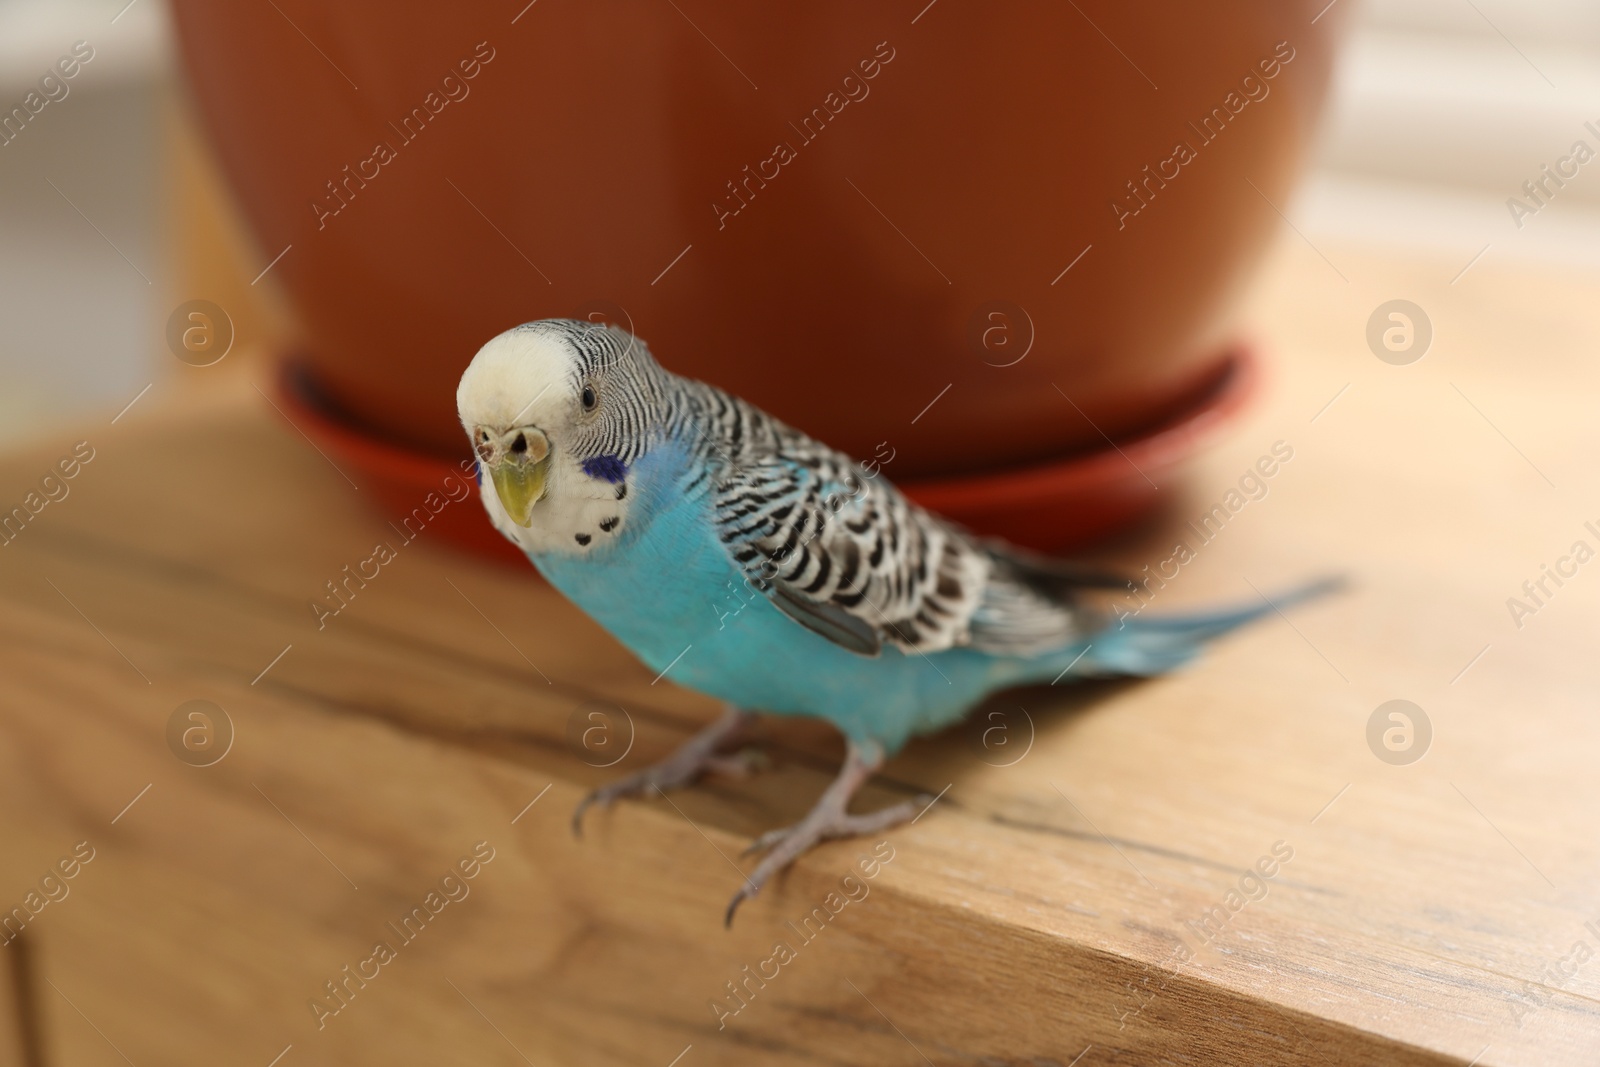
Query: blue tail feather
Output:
(1139,646)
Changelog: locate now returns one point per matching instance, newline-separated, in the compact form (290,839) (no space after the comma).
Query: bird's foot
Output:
(695,757)
(825,822)
(839,826)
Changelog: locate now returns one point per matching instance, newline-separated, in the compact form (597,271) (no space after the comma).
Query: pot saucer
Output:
(1075,500)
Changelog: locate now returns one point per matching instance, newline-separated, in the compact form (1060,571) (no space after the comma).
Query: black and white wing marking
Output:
(847,556)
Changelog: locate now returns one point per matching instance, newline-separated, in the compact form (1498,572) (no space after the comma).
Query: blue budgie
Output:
(741,558)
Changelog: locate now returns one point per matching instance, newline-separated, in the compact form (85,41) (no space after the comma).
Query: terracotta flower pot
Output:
(981,237)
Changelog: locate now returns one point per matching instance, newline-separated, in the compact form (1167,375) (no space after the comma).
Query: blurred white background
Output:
(1442,109)
(80,322)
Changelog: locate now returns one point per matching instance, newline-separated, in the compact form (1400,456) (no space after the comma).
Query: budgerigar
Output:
(744,559)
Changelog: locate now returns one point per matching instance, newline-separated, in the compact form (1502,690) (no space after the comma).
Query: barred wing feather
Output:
(846,555)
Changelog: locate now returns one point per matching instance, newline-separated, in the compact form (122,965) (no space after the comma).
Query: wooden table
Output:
(1071,907)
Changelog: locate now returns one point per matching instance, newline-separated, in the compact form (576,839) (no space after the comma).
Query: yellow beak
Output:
(519,479)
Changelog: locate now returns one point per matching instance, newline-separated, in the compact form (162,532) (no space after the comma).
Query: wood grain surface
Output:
(1082,891)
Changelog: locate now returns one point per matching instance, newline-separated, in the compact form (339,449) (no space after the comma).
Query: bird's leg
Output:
(826,821)
(693,757)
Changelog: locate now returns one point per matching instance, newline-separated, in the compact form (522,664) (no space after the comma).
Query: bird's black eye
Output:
(589,399)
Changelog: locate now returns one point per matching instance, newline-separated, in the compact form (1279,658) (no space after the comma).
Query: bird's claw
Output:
(697,756)
(789,843)
(660,777)
(746,891)
(603,796)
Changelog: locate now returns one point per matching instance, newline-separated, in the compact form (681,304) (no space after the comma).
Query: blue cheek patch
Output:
(606,468)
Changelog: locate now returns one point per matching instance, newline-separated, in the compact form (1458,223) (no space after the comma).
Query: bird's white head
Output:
(559,409)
